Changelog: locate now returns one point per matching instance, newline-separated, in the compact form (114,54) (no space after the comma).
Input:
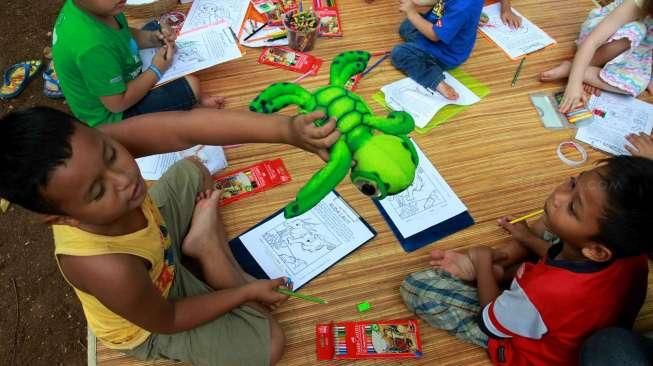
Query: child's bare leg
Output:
(650,87)
(205,242)
(559,72)
(609,51)
(447,90)
(592,78)
(204,99)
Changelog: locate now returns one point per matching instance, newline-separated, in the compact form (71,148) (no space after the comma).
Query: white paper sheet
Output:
(303,247)
(204,12)
(515,42)
(421,104)
(623,115)
(152,167)
(197,50)
(426,203)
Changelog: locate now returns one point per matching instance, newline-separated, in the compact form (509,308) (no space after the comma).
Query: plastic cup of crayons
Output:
(302,29)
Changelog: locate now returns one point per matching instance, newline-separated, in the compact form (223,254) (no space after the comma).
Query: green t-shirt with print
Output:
(92,60)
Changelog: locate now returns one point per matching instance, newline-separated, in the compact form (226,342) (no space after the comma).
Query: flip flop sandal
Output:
(51,88)
(16,78)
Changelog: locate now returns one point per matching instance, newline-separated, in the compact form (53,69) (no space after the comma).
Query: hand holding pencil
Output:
(265,292)
(517,227)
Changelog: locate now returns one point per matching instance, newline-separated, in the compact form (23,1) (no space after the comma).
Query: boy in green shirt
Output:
(120,243)
(96,58)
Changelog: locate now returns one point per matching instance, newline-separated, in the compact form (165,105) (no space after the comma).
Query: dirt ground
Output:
(41,321)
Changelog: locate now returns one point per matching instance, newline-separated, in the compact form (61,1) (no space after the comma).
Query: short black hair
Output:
(625,226)
(33,143)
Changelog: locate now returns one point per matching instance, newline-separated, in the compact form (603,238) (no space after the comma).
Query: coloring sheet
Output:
(197,50)
(204,12)
(422,104)
(303,247)
(426,203)
(622,115)
(514,42)
(152,167)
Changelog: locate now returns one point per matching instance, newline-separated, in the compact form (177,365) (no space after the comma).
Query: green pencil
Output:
(521,65)
(285,291)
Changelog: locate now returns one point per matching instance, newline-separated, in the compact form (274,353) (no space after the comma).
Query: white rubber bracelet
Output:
(572,163)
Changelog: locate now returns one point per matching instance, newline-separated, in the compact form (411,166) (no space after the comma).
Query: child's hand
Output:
(643,145)
(265,292)
(573,98)
(509,18)
(166,34)
(303,133)
(163,57)
(519,231)
(407,6)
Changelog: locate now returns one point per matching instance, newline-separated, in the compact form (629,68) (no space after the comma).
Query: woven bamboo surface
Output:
(496,156)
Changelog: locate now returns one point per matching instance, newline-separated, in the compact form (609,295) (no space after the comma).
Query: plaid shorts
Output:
(445,302)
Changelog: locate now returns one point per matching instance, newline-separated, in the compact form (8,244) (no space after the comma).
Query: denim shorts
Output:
(173,96)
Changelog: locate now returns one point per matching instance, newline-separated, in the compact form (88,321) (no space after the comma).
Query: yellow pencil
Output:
(526,217)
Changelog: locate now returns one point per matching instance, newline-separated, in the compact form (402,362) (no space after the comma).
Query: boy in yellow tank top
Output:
(120,243)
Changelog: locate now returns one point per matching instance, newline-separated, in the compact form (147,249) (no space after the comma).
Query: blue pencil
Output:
(377,63)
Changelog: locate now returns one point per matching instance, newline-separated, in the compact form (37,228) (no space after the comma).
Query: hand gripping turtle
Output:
(384,158)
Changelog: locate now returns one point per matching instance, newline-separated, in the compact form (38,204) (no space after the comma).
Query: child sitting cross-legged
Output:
(438,40)
(120,243)
(96,57)
(589,271)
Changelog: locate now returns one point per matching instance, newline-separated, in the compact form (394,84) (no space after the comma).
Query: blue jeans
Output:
(616,346)
(176,95)
(418,64)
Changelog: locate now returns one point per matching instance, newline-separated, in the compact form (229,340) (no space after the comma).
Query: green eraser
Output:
(363,306)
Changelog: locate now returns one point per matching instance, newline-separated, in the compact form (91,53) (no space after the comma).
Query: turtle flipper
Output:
(346,65)
(322,182)
(396,123)
(280,95)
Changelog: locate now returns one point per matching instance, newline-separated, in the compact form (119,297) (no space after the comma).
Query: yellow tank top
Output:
(151,243)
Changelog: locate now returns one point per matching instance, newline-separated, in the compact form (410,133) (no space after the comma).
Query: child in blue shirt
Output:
(438,40)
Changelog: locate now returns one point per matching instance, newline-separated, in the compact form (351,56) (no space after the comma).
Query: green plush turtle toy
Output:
(384,158)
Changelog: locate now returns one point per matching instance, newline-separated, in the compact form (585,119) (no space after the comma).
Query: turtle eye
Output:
(368,188)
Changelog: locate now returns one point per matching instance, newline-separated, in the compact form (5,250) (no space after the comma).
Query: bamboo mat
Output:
(496,156)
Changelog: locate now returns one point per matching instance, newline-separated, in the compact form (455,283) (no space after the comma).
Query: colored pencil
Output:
(255,31)
(304,76)
(377,63)
(271,35)
(521,65)
(526,217)
(285,291)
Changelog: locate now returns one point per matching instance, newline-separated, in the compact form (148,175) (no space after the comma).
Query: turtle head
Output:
(383,167)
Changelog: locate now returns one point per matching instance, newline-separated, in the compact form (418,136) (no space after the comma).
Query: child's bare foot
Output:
(212,102)
(456,263)
(202,233)
(559,72)
(447,91)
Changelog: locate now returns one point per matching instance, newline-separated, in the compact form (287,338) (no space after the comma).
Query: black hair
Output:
(625,226)
(33,143)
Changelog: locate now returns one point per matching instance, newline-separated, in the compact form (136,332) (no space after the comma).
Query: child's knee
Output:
(206,181)
(400,54)
(194,83)
(277,342)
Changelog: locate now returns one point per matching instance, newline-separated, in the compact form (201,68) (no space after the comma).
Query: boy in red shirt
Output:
(591,272)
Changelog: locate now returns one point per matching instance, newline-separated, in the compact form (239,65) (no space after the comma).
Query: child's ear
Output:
(597,252)
(60,220)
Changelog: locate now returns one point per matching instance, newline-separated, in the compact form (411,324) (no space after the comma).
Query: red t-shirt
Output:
(554,305)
